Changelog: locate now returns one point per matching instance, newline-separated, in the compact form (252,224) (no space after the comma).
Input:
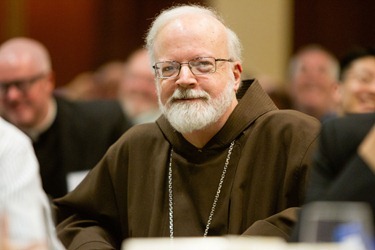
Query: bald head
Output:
(19,51)
(26,82)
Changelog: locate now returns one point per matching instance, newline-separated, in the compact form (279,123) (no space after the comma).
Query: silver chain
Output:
(214,204)
(170,189)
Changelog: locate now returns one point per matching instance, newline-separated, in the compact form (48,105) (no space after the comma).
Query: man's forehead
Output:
(13,59)
(189,31)
(194,22)
(14,67)
(14,62)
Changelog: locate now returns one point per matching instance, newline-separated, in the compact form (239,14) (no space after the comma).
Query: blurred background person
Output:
(357,81)
(137,91)
(69,138)
(276,91)
(81,87)
(107,79)
(313,76)
(344,164)
(102,83)
(130,82)
(25,214)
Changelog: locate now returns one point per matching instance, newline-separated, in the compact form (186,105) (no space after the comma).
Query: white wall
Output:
(264,28)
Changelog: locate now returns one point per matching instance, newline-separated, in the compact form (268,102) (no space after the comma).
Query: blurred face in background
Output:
(25,90)
(137,90)
(358,86)
(313,83)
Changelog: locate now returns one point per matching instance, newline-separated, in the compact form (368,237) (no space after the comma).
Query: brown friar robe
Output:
(126,194)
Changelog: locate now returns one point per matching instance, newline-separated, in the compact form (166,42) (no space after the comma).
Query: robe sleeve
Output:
(278,225)
(281,224)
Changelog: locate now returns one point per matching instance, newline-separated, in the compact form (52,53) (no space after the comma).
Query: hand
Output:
(4,239)
(367,149)
(6,244)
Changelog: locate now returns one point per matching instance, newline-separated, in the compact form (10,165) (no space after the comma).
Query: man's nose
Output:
(186,78)
(12,92)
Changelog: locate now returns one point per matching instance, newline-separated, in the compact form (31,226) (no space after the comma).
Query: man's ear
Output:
(237,70)
(50,77)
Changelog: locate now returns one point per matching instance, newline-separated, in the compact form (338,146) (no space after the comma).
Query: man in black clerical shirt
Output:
(69,138)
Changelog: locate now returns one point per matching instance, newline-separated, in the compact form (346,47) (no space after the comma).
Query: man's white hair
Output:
(295,61)
(168,15)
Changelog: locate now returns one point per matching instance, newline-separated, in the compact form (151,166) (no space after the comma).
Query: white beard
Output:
(187,116)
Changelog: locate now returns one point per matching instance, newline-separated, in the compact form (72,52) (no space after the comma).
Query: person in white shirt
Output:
(26,218)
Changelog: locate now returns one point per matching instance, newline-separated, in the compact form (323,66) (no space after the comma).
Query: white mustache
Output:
(179,94)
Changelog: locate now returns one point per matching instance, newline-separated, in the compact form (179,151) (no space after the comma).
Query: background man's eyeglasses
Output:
(198,66)
(22,85)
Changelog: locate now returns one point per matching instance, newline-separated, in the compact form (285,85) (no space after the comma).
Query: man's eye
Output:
(168,68)
(203,64)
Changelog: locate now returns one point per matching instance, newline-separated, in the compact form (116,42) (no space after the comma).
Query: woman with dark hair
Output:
(357,77)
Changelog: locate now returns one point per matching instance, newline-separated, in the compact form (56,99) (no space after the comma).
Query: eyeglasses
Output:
(23,85)
(198,66)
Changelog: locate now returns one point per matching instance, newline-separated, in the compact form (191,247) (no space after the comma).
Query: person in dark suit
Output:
(344,165)
(339,162)
(67,136)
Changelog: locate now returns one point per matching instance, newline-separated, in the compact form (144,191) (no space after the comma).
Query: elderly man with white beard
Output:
(222,160)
